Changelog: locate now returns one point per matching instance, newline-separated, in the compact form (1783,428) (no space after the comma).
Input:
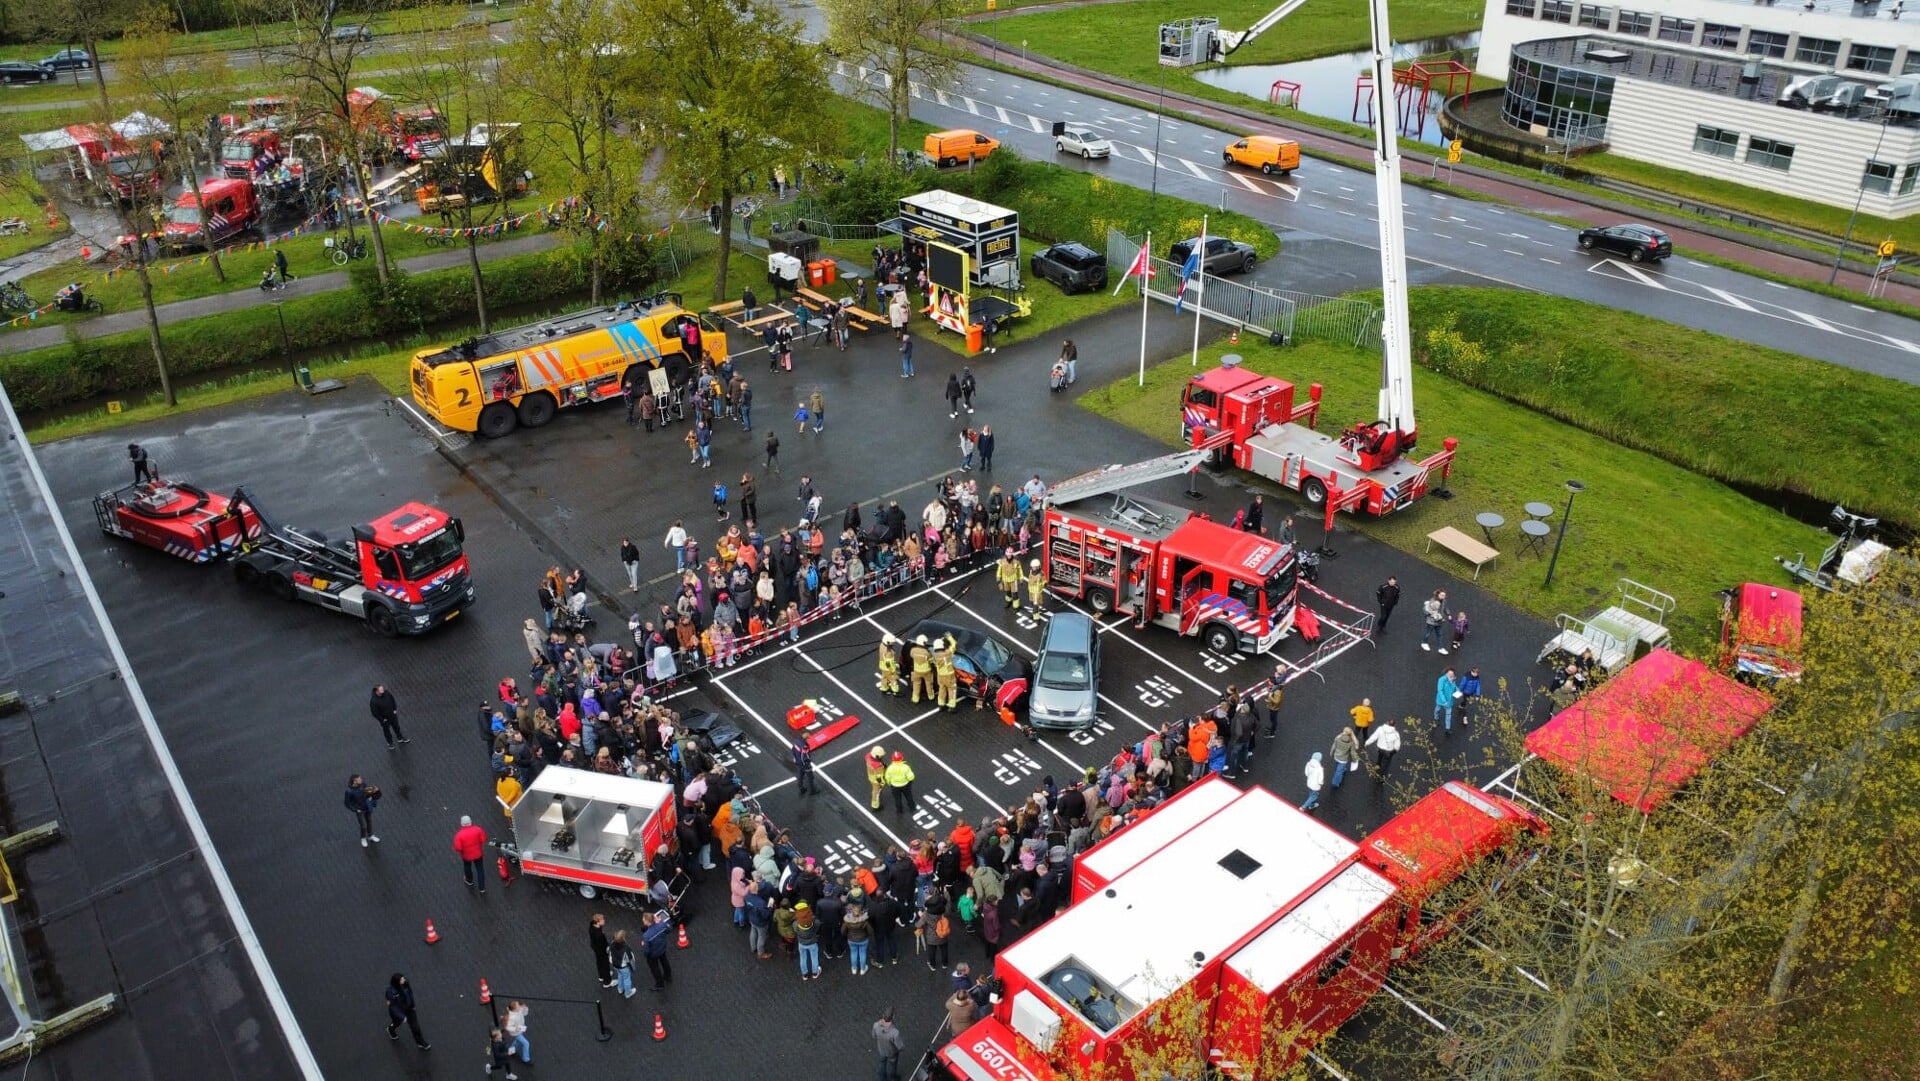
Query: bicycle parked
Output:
(345,250)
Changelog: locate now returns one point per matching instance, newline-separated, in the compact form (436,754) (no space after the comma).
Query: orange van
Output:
(1268,153)
(949,148)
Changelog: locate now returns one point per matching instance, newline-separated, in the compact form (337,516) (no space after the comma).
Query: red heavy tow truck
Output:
(1161,564)
(1294,931)
(404,573)
(1255,422)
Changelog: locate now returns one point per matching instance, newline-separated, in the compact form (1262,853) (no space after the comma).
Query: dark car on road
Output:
(67,59)
(1222,256)
(1640,243)
(974,653)
(20,71)
(358,32)
(1072,266)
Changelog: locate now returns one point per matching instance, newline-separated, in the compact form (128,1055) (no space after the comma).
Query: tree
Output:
(324,68)
(565,75)
(180,89)
(724,89)
(896,40)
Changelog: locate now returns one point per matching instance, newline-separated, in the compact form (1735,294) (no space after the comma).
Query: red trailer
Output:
(1270,927)
(595,830)
(1760,633)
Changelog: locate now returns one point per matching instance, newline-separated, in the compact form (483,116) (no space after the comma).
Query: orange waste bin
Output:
(831,269)
(973,337)
(816,275)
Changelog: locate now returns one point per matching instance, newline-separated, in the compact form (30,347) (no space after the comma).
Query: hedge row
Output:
(122,364)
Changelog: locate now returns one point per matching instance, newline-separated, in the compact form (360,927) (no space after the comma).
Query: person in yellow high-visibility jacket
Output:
(889,682)
(921,658)
(949,696)
(1036,586)
(1007,574)
(900,779)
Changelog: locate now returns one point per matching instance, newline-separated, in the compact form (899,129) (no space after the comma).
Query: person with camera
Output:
(361,798)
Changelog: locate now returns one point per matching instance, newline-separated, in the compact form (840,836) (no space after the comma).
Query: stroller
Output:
(75,299)
(1057,378)
(572,616)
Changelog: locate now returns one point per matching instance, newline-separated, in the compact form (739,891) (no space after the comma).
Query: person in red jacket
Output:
(962,838)
(470,841)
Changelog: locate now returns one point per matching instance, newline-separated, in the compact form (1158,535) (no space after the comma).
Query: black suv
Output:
(1071,266)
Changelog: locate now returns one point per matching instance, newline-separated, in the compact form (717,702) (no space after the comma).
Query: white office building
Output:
(1819,99)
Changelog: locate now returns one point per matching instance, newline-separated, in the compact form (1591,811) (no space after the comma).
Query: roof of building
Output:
(1144,934)
(1645,732)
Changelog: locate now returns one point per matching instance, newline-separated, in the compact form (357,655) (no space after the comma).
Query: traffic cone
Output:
(433,936)
(659,1028)
(683,943)
(1235,339)
(486,993)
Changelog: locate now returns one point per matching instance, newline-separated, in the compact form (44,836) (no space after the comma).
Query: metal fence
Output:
(830,231)
(1254,308)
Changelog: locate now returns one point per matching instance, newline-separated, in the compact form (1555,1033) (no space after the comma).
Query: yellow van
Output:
(1268,153)
(949,148)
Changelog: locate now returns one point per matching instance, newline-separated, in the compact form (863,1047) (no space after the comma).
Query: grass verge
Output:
(398,20)
(1641,516)
(23,198)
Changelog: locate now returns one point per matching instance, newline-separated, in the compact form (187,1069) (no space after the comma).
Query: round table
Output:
(1536,531)
(1489,522)
(1540,510)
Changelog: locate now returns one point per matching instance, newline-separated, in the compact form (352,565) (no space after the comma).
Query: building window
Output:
(1672,29)
(1770,153)
(1878,176)
(1766,43)
(1598,18)
(1637,23)
(1522,8)
(1912,64)
(1818,51)
(1874,58)
(1909,178)
(1720,36)
(1719,142)
(1557,11)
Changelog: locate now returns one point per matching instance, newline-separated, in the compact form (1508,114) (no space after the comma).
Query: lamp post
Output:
(1574,488)
(1159,115)
(1857,200)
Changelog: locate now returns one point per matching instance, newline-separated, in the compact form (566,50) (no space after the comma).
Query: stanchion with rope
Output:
(602,1033)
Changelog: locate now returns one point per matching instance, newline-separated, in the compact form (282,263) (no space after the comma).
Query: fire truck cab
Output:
(1760,633)
(1161,564)
(1255,929)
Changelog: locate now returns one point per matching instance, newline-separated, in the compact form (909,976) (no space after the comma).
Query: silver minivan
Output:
(1066,678)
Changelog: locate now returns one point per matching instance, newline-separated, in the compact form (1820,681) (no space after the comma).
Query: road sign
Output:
(1453,152)
(1887,248)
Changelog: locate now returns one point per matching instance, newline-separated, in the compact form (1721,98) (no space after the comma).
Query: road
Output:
(1327,206)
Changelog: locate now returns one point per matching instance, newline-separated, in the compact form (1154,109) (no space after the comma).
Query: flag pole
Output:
(1199,290)
(1146,279)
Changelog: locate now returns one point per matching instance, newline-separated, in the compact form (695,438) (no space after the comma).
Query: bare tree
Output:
(895,40)
(180,89)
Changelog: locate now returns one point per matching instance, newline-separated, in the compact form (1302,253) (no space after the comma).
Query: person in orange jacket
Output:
(1198,736)
(962,839)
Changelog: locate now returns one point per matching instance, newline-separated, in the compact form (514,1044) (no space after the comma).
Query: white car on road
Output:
(1082,141)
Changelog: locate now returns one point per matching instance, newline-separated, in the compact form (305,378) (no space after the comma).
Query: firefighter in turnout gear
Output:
(949,696)
(889,665)
(922,673)
(1036,588)
(877,772)
(1008,575)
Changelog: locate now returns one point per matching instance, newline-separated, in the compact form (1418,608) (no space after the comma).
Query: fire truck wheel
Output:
(497,420)
(246,573)
(1100,601)
(536,409)
(588,891)
(280,586)
(381,622)
(1220,638)
(1315,490)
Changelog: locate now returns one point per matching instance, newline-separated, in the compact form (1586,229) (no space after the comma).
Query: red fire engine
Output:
(1760,633)
(1161,564)
(404,573)
(1271,927)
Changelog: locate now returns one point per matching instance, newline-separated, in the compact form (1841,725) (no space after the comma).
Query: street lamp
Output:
(1858,199)
(1158,116)
(1574,488)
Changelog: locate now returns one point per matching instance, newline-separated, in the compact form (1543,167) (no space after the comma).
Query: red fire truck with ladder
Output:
(1162,564)
(1239,912)
(405,572)
(1254,421)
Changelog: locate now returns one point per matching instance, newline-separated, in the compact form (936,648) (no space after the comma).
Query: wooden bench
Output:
(857,324)
(728,308)
(767,320)
(864,315)
(819,300)
(810,304)
(1463,546)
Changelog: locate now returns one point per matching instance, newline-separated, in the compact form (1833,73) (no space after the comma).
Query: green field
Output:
(22,198)
(402,20)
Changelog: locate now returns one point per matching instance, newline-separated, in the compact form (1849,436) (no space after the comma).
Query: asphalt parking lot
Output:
(265,703)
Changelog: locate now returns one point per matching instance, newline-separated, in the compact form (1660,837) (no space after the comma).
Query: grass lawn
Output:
(401,20)
(1641,517)
(22,198)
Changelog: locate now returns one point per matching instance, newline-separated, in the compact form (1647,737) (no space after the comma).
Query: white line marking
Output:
(972,106)
(1443,236)
(1246,183)
(1408,1003)
(1510,251)
(1633,272)
(1544,259)
(1035,124)
(1858,308)
(1128,639)
(1001,112)
(1776,285)
(1815,321)
(1475,243)
(1147,154)
(1195,169)
(1730,299)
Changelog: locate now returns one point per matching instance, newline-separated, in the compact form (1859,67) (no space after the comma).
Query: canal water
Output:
(1327,83)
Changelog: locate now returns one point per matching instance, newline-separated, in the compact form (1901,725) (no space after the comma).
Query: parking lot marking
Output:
(792,647)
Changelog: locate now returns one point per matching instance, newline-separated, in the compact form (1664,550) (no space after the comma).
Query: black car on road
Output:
(1639,243)
(974,653)
(1072,266)
(68,59)
(21,71)
(1222,256)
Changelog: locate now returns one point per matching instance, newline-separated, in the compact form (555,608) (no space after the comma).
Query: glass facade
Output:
(1565,101)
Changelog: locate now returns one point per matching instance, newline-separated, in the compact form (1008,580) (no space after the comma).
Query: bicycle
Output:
(346,250)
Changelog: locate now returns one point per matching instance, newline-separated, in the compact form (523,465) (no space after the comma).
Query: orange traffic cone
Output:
(659,1028)
(683,937)
(433,936)
(1235,339)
